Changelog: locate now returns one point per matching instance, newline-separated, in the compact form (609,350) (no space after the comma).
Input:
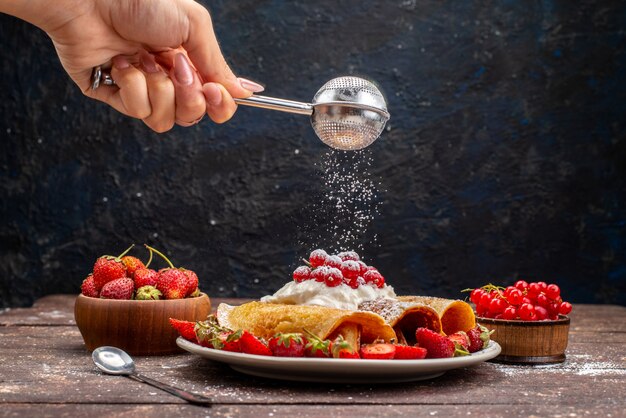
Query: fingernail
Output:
(250,85)
(213,94)
(121,63)
(148,63)
(182,70)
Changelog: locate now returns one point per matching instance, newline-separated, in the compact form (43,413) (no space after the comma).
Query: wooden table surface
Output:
(45,370)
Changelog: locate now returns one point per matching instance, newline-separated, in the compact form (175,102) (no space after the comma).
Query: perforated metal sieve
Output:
(347,113)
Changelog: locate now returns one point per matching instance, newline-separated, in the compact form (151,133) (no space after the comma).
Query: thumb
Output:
(204,51)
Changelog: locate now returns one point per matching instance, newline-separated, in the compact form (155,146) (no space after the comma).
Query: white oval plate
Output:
(340,370)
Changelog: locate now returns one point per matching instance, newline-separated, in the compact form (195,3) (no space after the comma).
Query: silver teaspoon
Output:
(114,361)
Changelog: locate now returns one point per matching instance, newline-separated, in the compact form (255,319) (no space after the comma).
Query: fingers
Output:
(161,94)
(132,96)
(220,105)
(190,102)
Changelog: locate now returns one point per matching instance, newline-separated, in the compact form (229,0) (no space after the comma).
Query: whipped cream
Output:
(311,292)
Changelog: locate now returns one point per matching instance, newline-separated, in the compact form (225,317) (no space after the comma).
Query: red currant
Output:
(349,255)
(543,286)
(534,288)
(482,311)
(526,312)
(542,300)
(553,308)
(515,297)
(541,313)
(521,285)
(497,306)
(565,308)
(333,261)
(319,274)
(363,267)
(475,295)
(510,313)
(485,300)
(334,277)
(301,274)
(350,269)
(318,258)
(553,292)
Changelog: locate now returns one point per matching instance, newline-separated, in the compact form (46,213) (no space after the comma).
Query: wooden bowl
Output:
(529,342)
(139,327)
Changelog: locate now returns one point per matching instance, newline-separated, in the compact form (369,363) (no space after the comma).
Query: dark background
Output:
(505,156)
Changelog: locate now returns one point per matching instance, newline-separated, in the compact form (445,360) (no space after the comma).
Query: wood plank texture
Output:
(45,370)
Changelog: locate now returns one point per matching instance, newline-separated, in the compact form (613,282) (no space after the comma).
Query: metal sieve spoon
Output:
(347,113)
(113,360)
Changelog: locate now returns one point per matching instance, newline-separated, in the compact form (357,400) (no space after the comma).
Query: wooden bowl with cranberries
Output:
(126,304)
(529,320)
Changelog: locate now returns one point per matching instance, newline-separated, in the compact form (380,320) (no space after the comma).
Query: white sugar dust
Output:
(342,215)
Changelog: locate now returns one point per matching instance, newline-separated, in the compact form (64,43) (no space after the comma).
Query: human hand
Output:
(131,34)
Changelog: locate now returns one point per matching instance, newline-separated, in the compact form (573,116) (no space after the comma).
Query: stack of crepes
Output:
(407,313)
(267,319)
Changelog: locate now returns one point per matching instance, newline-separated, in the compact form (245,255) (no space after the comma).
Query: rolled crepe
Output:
(267,319)
(455,315)
(404,317)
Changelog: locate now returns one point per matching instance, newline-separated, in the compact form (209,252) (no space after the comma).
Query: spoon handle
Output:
(189,397)
(273,103)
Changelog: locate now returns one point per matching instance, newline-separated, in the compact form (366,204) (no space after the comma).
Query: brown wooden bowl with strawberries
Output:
(139,327)
(125,304)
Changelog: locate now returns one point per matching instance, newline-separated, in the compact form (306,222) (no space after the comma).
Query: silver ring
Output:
(99,76)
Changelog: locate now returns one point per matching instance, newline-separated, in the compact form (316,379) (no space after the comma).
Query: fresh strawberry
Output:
(287,345)
(145,277)
(479,338)
(148,293)
(132,264)
(343,349)
(228,341)
(172,283)
(118,289)
(108,268)
(185,329)
(316,347)
(460,339)
(206,330)
(252,345)
(378,351)
(192,281)
(409,352)
(88,288)
(437,345)
(210,334)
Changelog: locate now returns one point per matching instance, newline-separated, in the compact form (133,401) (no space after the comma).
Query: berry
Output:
(252,345)
(542,286)
(437,345)
(364,268)
(521,285)
(118,289)
(565,308)
(509,313)
(319,274)
(227,340)
(374,277)
(88,288)
(301,274)
(185,329)
(287,345)
(349,255)
(377,351)
(460,340)
(173,282)
(107,269)
(192,281)
(541,313)
(342,349)
(148,293)
(476,295)
(553,292)
(515,297)
(132,264)
(479,337)
(316,347)
(145,277)
(497,306)
(485,301)
(542,300)
(334,277)
(350,269)
(318,258)
(526,312)
(407,352)
(534,288)
(334,261)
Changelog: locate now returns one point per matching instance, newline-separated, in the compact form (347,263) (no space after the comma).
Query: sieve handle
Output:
(273,103)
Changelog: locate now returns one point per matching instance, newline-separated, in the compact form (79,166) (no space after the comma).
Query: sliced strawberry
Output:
(437,345)
(343,349)
(185,329)
(460,339)
(287,345)
(409,352)
(252,345)
(228,341)
(378,351)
